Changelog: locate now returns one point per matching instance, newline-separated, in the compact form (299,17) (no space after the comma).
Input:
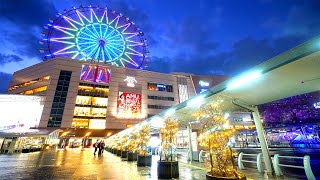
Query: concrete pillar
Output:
(190,154)
(263,141)
(12,145)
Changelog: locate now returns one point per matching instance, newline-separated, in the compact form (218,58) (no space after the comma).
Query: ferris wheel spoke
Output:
(114,20)
(115,48)
(129,57)
(93,50)
(121,62)
(68,37)
(62,30)
(110,34)
(68,52)
(74,56)
(81,15)
(92,37)
(94,29)
(125,25)
(61,50)
(105,14)
(131,62)
(92,12)
(100,31)
(131,35)
(64,42)
(105,32)
(84,40)
(106,51)
(135,44)
(69,20)
(87,43)
(102,52)
(91,32)
(117,22)
(112,52)
(82,50)
(116,36)
(136,52)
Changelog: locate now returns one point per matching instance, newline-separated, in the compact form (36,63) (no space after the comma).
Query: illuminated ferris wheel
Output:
(95,34)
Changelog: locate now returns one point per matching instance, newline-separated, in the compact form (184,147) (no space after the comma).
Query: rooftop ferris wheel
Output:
(95,34)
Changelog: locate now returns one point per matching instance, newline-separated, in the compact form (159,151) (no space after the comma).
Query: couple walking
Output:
(99,145)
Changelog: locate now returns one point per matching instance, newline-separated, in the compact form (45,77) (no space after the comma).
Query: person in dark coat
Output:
(96,146)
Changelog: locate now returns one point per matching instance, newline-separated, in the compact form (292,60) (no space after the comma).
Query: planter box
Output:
(124,154)
(25,150)
(168,169)
(144,160)
(132,156)
(118,152)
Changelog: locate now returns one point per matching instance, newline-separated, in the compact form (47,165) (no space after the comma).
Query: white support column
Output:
(190,155)
(263,141)
(260,132)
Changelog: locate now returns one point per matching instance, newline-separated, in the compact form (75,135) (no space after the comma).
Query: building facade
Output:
(94,95)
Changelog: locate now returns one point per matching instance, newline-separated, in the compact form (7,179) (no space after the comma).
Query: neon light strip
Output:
(65,42)
(64,49)
(66,52)
(64,28)
(68,20)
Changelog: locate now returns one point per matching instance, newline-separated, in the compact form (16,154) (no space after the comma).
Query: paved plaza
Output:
(77,164)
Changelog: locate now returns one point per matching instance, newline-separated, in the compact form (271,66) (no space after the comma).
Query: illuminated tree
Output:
(168,137)
(143,138)
(124,142)
(132,141)
(215,136)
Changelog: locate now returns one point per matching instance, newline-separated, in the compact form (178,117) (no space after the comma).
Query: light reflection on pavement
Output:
(82,164)
(77,164)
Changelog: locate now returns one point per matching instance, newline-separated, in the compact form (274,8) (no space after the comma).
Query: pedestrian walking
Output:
(103,146)
(96,146)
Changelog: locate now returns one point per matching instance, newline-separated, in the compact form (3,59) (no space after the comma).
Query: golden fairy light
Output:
(168,139)
(143,137)
(132,141)
(215,136)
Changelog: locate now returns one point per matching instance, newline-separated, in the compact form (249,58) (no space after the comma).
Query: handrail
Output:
(201,156)
(258,161)
(306,165)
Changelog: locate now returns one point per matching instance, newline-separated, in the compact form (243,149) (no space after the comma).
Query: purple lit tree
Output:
(297,109)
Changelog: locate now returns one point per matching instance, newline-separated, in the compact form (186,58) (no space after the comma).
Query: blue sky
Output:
(200,36)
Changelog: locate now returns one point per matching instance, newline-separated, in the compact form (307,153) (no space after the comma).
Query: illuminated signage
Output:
(316,105)
(129,105)
(20,112)
(161,85)
(130,81)
(203,83)
(97,124)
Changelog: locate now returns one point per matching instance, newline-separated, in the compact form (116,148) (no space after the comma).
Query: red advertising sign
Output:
(129,104)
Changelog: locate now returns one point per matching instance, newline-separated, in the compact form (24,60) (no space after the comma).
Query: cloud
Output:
(5,80)
(8,58)
(27,13)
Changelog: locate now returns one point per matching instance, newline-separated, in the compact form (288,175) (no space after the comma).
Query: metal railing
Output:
(258,161)
(202,156)
(306,165)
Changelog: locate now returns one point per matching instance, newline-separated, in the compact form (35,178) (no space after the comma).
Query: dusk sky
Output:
(200,36)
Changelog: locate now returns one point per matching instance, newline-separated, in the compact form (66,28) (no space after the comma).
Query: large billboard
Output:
(20,112)
(129,105)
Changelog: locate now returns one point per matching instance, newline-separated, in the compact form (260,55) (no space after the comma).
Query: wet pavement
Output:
(77,164)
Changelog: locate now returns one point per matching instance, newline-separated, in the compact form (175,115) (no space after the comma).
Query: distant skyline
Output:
(200,36)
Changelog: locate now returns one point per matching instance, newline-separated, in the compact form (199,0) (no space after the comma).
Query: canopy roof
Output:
(294,72)
(28,132)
